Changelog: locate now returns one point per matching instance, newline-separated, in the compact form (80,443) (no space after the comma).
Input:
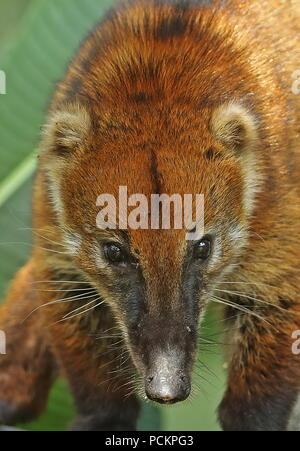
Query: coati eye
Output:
(114,253)
(202,249)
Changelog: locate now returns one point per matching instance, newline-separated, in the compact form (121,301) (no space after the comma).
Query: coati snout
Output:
(164,354)
(165,382)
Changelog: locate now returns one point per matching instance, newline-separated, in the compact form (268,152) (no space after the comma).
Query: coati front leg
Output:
(93,357)
(28,368)
(264,374)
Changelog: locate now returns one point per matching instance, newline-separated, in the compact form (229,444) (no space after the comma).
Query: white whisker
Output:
(82,307)
(81,313)
(237,293)
(56,301)
(238,307)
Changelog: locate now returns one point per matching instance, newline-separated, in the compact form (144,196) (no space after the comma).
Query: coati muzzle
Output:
(165,383)
(164,354)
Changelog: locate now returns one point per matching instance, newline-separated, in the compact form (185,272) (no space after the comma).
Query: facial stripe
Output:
(55,196)
(73,242)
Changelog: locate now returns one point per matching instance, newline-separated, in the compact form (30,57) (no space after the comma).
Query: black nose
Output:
(167,389)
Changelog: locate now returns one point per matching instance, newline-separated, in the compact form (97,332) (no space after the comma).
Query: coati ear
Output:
(235,127)
(66,130)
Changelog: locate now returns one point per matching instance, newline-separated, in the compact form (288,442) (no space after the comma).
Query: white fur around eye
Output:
(238,234)
(98,257)
(72,242)
(216,252)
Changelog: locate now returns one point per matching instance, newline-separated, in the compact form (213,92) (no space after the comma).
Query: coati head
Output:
(156,282)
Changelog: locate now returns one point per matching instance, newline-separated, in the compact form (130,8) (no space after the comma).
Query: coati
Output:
(165,97)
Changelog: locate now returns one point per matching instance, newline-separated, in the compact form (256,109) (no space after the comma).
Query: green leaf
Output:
(16,178)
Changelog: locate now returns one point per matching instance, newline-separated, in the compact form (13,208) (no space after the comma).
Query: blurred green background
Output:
(37,39)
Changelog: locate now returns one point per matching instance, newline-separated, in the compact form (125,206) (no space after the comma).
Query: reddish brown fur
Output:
(148,82)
